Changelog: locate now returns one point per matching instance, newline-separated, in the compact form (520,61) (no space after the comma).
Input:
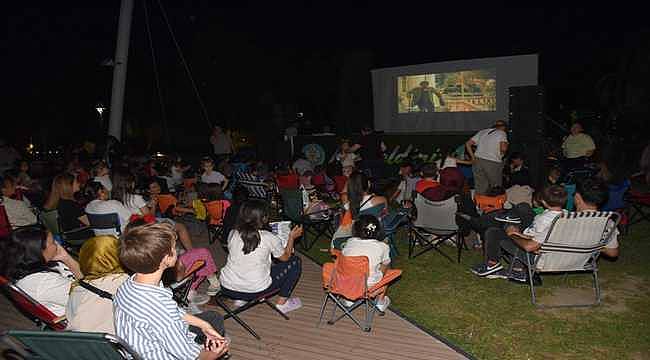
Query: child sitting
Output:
(145,313)
(404,193)
(101,174)
(429,176)
(210,176)
(365,241)
(553,199)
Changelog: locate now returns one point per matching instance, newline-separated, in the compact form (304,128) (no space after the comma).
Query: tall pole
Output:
(119,69)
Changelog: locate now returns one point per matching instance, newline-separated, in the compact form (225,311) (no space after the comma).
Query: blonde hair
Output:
(62,188)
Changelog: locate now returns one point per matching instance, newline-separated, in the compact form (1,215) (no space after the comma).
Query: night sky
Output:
(248,57)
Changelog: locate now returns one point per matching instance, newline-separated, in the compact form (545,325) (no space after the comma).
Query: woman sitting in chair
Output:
(87,310)
(249,271)
(366,240)
(71,214)
(101,205)
(40,267)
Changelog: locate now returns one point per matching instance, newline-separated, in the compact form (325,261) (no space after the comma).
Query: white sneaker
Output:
(213,288)
(292,304)
(197,298)
(383,305)
(238,303)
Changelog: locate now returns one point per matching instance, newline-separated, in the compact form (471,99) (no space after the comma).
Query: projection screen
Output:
(451,96)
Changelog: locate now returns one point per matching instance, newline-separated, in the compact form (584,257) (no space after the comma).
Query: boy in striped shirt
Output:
(146,315)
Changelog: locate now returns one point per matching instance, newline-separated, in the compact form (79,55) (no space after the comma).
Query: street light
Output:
(100,108)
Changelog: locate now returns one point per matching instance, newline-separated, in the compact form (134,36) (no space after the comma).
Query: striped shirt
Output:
(149,320)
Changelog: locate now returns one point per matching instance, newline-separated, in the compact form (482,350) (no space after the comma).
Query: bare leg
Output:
(184,236)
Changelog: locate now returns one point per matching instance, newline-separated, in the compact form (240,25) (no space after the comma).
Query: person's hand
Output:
(212,334)
(296,232)
(61,253)
(216,348)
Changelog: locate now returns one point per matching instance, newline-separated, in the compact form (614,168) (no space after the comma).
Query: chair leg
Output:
(230,313)
(532,285)
(322,309)
(411,237)
(369,313)
(459,244)
(597,287)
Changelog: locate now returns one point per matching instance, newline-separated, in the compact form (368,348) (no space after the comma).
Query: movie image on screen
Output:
(470,90)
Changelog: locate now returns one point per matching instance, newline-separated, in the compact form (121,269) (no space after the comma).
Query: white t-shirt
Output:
(541,225)
(100,207)
(488,144)
(378,253)
(105,180)
(50,288)
(135,203)
(177,175)
(213,177)
(449,162)
(250,273)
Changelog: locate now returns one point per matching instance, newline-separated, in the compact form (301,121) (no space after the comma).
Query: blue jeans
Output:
(284,276)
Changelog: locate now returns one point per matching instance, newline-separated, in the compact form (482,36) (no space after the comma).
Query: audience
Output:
(101,205)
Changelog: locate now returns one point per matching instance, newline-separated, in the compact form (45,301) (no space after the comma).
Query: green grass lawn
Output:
(494,319)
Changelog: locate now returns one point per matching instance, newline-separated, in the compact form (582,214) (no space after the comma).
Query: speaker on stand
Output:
(527,127)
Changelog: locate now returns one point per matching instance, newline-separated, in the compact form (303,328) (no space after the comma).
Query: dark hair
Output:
(368,227)
(253,217)
(593,191)
(123,187)
(143,246)
(496,191)
(239,194)
(357,186)
(517,155)
(554,195)
(22,252)
(429,170)
(92,190)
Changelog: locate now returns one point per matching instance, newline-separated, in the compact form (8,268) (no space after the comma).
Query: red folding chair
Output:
(287,181)
(34,310)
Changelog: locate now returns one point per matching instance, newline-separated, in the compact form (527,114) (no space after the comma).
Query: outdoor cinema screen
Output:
(468,90)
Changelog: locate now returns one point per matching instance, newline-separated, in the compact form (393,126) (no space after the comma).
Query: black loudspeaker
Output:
(527,127)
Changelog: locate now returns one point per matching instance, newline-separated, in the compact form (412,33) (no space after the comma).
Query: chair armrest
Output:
(389,276)
(59,319)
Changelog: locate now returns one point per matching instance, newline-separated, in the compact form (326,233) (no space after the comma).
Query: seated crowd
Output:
(113,281)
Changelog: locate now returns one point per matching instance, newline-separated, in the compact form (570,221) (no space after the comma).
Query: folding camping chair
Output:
(35,311)
(294,211)
(287,182)
(216,211)
(639,207)
(347,278)
(435,224)
(233,313)
(488,203)
(573,244)
(167,204)
(5,225)
(64,345)
(72,239)
(105,222)
(181,288)
(391,223)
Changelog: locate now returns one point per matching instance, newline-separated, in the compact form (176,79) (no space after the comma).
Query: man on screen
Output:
(423,97)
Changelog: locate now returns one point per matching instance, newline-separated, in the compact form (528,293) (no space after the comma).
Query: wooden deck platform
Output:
(298,338)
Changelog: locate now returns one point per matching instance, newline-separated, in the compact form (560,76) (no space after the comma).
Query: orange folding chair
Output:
(216,211)
(36,311)
(181,288)
(489,203)
(347,278)
(167,203)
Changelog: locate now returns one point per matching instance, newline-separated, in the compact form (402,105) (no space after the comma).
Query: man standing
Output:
(221,144)
(487,161)
(423,97)
(371,149)
(577,147)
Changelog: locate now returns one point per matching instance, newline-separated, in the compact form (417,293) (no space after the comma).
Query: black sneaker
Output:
(501,274)
(520,276)
(508,219)
(485,269)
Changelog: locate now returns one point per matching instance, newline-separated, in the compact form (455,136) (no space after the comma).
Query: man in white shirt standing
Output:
(487,161)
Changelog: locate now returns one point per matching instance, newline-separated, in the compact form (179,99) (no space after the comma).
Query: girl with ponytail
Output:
(250,270)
